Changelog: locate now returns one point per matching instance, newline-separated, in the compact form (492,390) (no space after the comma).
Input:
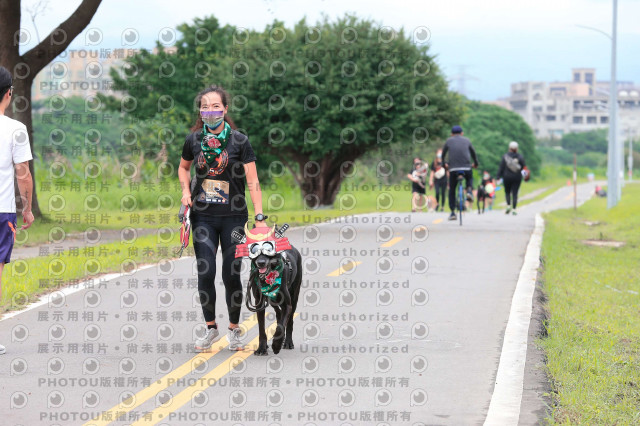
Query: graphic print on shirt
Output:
(214,192)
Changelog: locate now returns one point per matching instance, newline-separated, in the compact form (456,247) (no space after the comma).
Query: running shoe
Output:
(514,212)
(235,344)
(452,216)
(204,343)
(508,210)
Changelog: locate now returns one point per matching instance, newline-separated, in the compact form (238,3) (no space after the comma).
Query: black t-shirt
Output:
(222,191)
(422,178)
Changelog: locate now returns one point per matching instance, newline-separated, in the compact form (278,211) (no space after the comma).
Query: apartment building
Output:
(553,109)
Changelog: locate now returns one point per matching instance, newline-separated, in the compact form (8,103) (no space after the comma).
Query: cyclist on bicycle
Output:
(461,153)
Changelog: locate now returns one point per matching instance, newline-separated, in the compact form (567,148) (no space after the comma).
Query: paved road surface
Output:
(401,320)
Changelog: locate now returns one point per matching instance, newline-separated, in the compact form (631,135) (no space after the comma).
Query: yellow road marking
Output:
(345,268)
(392,242)
(569,196)
(152,390)
(437,221)
(161,413)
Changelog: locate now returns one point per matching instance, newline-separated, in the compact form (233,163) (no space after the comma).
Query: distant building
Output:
(553,109)
(82,73)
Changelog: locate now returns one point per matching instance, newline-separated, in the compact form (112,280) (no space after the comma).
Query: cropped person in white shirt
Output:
(15,154)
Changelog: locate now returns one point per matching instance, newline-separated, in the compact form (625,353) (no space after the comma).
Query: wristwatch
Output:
(260,217)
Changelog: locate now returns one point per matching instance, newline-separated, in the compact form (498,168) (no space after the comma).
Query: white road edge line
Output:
(66,291)
(504,408)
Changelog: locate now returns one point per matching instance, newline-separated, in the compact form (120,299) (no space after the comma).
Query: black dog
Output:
(276,275)
(481,196)
(284,302)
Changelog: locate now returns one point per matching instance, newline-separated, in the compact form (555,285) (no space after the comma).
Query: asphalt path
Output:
(400,321)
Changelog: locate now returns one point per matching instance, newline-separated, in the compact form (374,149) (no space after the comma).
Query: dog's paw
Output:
(288,344)
(276,346)
(262,350)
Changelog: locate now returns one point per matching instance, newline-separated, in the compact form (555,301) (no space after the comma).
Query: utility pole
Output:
(575,181)
(613,171)
(630,158)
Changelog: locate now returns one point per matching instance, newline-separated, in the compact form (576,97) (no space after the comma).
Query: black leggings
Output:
(453,184)
(441,191)
(511,187)
(208,232)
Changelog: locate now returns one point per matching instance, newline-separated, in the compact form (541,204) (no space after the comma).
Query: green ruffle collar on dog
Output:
(272,281)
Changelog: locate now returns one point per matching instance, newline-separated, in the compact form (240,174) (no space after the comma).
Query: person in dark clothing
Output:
(485,191)
(510,171)
(224,158)
(439,178)
(461,153)
(418,178)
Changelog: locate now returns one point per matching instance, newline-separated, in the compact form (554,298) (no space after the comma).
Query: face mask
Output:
(439,155)
(212,118)
(486,176)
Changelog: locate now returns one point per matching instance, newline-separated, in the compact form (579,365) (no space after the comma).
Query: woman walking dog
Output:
(223,159)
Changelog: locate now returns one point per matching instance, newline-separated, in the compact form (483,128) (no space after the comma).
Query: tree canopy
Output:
(591,141)
(491,128)
(312,98)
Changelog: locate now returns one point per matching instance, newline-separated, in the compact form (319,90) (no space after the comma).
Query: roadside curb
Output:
(505,405)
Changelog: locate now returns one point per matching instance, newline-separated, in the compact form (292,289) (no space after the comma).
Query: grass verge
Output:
(593,342)
(23,281)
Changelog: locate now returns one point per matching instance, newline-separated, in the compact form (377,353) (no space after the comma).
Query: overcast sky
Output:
(498,42)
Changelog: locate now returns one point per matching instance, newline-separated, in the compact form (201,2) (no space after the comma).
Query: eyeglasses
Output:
(11,91)
(268,248)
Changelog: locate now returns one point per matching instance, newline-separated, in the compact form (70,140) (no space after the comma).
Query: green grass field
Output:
(24,280)
(593,342)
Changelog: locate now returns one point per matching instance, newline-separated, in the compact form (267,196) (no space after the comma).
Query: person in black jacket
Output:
(460,153)
(438,179)
(510,172)
(223,159)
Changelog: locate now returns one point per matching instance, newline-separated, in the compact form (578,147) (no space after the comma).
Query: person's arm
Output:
(472,151)
(184,175)
(445,149)
(501,169)
(431,177)
(412,178)
(255,192)
(25,186)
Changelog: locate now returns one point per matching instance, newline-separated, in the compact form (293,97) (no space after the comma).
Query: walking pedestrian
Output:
(418,178)
(439,178)
(15,154)
(223,159)
(510,172)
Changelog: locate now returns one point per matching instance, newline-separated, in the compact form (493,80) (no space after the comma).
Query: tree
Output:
(160,88)
(319,97)
(25,67)
(491,128)
(312,99)
(591,141)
